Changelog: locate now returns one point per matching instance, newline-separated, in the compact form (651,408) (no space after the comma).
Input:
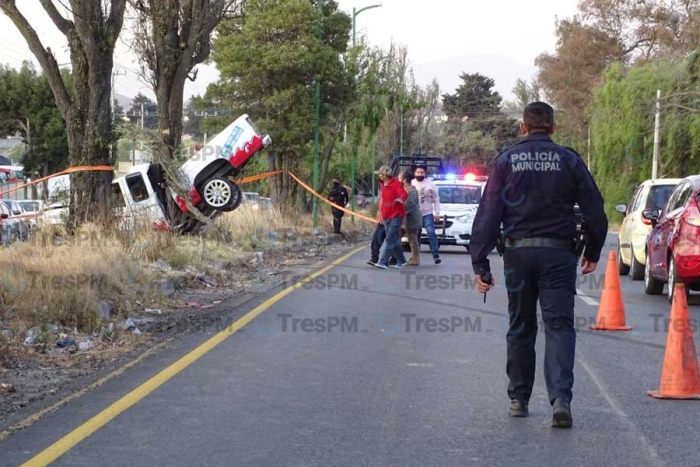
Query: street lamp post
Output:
(356,12)
(354,16)
(317,126)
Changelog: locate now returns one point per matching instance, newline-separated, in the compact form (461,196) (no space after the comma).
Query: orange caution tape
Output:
(322,198)
(82,168)
(255,178)
(25,216)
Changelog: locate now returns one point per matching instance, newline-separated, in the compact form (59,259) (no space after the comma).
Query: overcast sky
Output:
(499,38)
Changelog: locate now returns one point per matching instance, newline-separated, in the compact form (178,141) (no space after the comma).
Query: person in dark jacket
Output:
(414,218)
(393,198)
(339,196)
(531,191)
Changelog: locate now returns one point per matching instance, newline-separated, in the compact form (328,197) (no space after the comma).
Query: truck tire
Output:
(221,194)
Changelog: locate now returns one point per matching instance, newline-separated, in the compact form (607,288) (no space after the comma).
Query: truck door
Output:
(144,206)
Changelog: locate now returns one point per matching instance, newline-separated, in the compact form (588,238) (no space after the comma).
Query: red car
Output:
(673,246)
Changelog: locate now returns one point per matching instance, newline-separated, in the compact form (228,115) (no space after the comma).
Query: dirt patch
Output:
(60,362)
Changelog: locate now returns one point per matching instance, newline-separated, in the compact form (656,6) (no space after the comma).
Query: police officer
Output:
(339,196)
(531,191)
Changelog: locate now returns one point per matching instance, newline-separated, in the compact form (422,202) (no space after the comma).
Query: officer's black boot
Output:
(518,408)
(561,417)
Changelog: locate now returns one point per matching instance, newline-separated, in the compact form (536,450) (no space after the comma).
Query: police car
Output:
(460,196)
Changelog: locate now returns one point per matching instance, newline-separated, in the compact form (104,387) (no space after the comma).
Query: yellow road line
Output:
(66,443)
(29,421)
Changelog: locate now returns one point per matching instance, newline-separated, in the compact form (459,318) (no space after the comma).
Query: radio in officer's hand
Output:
(487,278)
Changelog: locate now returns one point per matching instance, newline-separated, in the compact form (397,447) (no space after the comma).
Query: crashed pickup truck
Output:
(207,179)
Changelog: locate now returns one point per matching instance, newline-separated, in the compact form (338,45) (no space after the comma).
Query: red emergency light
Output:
(470,177)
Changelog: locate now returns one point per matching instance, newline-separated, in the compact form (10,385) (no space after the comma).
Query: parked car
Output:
(10,229)
(251,199)
(632,240)
(31,205)
(27,219)
(53,214)
(673,246)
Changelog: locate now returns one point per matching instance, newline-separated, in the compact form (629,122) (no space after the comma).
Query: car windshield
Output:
(459,194)
(658,196)
(30,206)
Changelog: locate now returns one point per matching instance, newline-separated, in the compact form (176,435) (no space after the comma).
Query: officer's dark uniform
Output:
(339,196)
(532,190)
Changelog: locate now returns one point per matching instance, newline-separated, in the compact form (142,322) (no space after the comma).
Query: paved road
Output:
(375,393)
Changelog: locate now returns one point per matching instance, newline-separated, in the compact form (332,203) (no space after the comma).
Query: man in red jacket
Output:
(393,196)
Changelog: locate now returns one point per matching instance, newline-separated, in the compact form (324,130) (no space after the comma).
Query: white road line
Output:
(586,299)
(653,456)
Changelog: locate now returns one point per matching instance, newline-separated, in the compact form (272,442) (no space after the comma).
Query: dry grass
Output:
(62,280)
(252,228)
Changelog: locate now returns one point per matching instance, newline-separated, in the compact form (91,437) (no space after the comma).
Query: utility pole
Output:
(317,126)
(657,130)
(374,165)
(420,136)
(352,181)
(112,96)
(401,134)
(142,115)
(356,12)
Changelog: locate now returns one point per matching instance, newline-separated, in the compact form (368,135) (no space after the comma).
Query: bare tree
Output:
(647,28)
(172,37)
(92,29)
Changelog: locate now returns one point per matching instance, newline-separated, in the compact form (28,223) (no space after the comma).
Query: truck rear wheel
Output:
(221,194)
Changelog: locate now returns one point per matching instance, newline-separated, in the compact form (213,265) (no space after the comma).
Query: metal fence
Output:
(24,193)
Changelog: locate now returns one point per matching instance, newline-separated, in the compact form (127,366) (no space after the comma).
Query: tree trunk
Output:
(332,138)
(91,33)
(89,125)
(169,94)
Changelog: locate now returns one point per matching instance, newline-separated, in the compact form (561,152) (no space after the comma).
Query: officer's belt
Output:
(539,242)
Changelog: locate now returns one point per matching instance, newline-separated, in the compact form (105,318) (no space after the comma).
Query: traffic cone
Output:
(680,378)
(611,312)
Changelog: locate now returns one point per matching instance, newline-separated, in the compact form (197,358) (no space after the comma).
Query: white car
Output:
(632,240)
(53,214)
(459,201)
(251,199)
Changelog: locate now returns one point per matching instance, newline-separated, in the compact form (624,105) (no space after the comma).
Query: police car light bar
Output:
(469,177)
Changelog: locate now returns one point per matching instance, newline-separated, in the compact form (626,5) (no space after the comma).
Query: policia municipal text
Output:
(531,191)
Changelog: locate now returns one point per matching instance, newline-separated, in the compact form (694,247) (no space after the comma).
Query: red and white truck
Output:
(208,178)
